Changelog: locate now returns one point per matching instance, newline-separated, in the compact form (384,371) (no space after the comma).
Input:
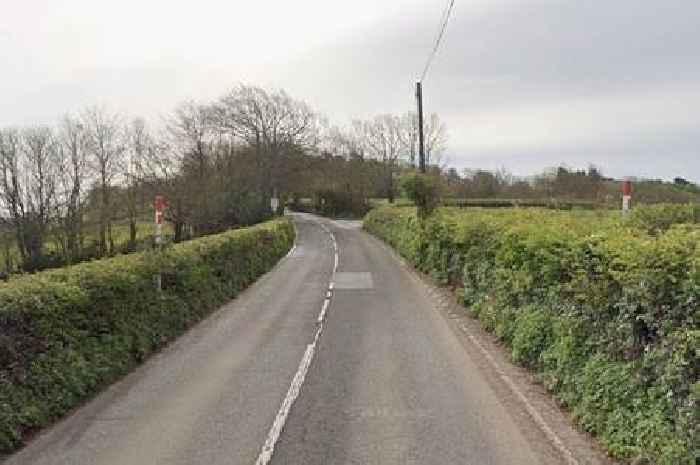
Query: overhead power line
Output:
(443,26)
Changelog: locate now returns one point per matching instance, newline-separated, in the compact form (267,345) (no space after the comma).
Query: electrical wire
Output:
(444,20)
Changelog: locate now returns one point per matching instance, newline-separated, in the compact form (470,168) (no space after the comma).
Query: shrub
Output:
(66,333)
(337,204)
(604,309)
(422,189)
(660,217)
(532,335)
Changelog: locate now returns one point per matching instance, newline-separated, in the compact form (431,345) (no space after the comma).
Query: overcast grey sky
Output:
(521,84)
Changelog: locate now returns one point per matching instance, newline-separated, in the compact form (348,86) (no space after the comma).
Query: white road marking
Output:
(294,246)
(531,410)
(534,414)
(273,435)
(291,251)
(354,280)
(292,394)
(322,315)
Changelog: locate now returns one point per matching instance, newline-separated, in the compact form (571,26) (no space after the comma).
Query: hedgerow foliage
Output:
(605,310)
(66,333)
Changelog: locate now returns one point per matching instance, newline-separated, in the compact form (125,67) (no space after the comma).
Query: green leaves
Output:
(604,309)
(65,333)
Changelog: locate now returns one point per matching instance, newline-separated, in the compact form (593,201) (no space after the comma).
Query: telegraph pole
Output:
(421,141)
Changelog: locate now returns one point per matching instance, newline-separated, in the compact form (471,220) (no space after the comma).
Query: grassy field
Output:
(499,203)
(120,233)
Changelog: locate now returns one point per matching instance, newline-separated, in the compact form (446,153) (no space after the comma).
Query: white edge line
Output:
(537,418)
(291,251)
(531,410)
(294,245)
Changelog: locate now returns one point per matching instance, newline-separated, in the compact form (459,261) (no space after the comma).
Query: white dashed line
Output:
(322,315)
(268,448)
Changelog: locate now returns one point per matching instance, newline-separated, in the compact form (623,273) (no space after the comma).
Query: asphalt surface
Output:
(385,379)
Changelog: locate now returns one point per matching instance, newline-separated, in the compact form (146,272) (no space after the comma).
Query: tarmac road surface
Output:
(374,376)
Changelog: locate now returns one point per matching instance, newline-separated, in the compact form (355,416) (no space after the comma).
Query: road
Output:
(381,379)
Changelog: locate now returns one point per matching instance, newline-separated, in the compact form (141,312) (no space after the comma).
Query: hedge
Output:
(604,310)
(66,333)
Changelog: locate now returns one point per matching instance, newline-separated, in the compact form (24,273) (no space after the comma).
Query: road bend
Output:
(292,372)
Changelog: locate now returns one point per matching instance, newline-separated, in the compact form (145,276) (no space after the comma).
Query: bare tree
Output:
(190,137)
(73,173)
(40,157)
(105,132)
(273,123)
(435,140)
(382,141)
(11,188)
(139,142)
(409,136)
(28,187)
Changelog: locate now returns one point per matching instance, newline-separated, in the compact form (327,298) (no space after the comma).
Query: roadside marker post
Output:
(159,205)
(626,196)
(274,202)
(160,208)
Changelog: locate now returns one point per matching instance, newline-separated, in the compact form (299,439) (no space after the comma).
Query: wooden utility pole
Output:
(421,141)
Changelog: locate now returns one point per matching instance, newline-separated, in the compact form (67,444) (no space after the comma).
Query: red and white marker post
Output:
(160,206)
(626,196)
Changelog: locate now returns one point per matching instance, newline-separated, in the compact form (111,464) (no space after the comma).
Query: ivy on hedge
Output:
(66,333)
(604,309)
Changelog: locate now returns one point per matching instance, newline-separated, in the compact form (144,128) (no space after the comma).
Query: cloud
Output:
(529,84)
(523,84)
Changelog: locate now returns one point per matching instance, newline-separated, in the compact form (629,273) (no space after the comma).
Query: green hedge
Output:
(606,312)
(66,333)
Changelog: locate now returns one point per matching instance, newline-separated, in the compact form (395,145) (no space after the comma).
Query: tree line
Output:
(563,183)
(83,187)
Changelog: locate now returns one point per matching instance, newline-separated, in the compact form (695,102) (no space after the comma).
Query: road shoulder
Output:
(517,387)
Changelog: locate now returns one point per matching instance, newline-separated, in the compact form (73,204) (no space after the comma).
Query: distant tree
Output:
(73,174)
(28,162)
(40,156)
(435,140)
(107,145)
(275,125)
(191,135)
(383,142)
(12,188)
(138,142)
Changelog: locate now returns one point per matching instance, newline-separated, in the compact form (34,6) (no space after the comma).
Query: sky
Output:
(521,84)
